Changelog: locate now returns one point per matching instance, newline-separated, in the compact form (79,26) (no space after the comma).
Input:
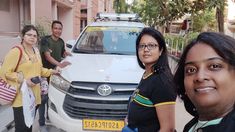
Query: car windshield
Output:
(108,40)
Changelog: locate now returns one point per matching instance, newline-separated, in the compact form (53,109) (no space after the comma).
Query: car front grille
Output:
(83,101)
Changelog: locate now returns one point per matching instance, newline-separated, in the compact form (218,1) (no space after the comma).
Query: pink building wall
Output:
(76,19)
(43,10)
(96,6)
(10,19)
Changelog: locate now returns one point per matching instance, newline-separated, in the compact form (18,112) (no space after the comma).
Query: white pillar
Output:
(32,11)
(231,10)
(54,11)
(21,12)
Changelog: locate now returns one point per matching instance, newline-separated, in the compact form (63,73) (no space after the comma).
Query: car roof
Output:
(117,24)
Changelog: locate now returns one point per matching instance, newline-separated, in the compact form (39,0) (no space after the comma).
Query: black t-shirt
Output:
(157,89)
(227,124)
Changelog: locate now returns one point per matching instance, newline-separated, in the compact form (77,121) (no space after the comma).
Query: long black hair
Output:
(223,45)
(162,64)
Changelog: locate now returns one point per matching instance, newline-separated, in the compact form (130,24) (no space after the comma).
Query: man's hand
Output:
(64,64)
(66,53)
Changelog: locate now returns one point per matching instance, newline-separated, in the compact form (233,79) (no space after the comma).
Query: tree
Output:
(120,6)
(160,12)
(219,5)
(202,5)
(163,12)
(147,10)
(204,21)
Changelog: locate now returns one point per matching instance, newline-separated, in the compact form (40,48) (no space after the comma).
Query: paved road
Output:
(49,127)
(182,117)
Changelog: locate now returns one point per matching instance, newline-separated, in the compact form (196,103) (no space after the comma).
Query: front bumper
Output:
(56,114)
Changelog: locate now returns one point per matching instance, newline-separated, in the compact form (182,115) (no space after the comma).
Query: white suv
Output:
(93,92)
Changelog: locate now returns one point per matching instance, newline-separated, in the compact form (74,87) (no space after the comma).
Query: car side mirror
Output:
(69,44)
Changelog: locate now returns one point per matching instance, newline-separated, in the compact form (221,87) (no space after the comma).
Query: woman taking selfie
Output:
(206,83)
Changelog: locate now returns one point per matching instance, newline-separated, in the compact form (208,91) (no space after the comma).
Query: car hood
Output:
(102,68)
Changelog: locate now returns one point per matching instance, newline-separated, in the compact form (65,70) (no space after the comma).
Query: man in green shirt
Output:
(52,49)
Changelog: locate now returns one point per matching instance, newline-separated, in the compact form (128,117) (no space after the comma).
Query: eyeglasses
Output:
(31,35)
(149,46)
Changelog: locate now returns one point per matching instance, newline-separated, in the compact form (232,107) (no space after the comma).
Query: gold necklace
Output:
(31,56)
(145,76)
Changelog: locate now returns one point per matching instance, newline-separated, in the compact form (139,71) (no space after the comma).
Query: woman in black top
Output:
(152,105)
(206,83)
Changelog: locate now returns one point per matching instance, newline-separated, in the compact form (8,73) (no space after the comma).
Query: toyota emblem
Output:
(104,90)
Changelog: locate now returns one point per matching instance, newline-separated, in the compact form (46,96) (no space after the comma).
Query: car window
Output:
(108,40)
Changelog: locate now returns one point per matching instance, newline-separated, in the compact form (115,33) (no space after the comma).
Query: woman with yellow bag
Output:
(29,69)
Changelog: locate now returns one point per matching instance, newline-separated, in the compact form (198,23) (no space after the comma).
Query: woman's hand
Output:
(66,53)
(57,70)
(30,83)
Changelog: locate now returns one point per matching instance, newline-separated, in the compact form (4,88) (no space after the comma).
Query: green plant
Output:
(42,25)
(42,30)
(204,21)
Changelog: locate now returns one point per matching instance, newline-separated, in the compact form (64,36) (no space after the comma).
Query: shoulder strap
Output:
(19,57)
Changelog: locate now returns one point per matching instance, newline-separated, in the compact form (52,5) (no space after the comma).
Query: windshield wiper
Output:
(83,51)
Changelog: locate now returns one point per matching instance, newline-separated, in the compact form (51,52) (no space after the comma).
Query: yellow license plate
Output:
(106,125)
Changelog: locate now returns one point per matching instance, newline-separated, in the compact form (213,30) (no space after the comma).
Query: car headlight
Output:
(59,82)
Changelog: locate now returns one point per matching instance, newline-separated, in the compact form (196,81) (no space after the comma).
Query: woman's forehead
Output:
(31,31)
(200,51)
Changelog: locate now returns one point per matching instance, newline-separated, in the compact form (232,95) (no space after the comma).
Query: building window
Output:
(84,11)
(83,24)
(5,5)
